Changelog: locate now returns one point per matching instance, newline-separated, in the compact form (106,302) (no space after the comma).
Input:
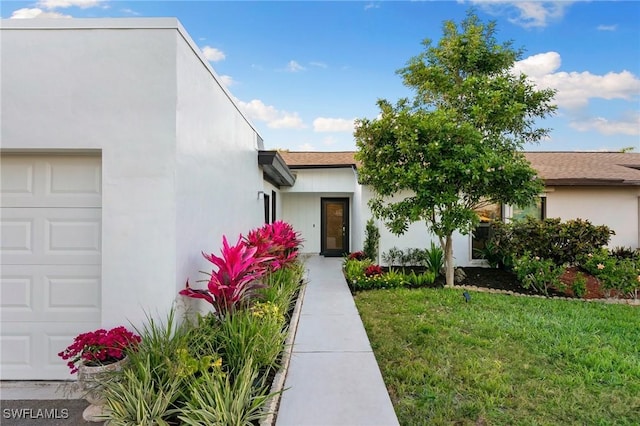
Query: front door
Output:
(335,226)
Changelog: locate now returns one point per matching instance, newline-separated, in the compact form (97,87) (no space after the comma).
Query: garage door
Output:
(51,256)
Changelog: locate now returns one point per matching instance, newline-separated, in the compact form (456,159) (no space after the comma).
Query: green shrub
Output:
(579,285)
(354,270)
(282,286)
(420,280)
(392,257)
(495,255)
(548,239)
(148,390)
(616,274)
(220,400)
(137,398)
(371,240)
(538,274)
(255,334)
(625,253)
(435,259)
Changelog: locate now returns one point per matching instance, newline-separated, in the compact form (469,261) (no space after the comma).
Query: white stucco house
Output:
(122,157)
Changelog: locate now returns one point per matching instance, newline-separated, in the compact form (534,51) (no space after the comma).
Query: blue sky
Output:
(303,70)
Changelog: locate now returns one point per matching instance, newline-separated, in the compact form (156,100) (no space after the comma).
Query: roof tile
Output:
(568,168)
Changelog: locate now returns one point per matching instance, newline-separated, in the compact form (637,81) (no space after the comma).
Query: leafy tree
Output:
(457,145)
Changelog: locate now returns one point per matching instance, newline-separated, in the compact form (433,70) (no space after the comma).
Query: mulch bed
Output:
(506,280)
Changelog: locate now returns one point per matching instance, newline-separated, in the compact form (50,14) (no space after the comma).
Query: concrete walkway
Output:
(333,377)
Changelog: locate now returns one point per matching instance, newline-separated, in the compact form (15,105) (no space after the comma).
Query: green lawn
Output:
(504,360)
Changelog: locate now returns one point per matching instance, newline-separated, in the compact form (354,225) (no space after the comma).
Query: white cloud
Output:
(329,141)
(322,124)
(626,126)
(227,80)
(274,118)
(574,89)
(293,66)
(306,147)
(212,54)
(29,13)
(130,12)
(371,6)
(318,64)
(528,14)
(607,27)
(62,4)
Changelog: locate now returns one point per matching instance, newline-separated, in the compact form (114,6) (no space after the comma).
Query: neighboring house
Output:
(329,206)
(123,157)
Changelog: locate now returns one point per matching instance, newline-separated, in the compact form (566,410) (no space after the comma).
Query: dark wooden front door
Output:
(334,226)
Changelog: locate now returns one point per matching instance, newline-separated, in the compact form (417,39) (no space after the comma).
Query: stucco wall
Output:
(324,180)
(179,160)
(417,236)
(301,203)
(217,173)
(616,207)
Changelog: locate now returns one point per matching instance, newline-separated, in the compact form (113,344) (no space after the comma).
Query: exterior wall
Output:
(324,180)
(301,203)
(616,207)
(417,236)
(179,161)
(217,177)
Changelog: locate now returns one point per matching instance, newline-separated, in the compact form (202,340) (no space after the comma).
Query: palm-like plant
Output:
(235,281)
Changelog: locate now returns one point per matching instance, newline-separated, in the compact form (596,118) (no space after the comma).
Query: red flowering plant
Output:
(373,270)
(100,347)
(356,255)
(277,240)
(235,281)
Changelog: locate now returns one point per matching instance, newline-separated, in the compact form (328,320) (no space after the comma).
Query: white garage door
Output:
(51,257)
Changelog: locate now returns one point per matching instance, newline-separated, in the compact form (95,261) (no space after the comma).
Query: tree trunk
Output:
(447,248)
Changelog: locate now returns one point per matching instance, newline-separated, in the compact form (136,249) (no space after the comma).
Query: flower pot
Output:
(90,379)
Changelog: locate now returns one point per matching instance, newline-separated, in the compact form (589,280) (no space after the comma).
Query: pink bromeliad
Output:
(235,281)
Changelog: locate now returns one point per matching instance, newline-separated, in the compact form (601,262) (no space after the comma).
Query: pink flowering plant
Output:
(278,241)
(100,347)
(236,279)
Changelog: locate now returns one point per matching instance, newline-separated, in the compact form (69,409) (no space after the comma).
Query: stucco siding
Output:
(616,207)
(217,172)
(179,160)
(80,89)
(302,203)
(324,180)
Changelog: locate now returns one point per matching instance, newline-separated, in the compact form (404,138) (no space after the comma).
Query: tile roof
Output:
(556,168)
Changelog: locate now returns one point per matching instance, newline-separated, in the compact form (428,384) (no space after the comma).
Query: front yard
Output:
(504,360)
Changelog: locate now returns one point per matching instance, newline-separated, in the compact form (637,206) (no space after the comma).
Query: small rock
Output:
(459,276)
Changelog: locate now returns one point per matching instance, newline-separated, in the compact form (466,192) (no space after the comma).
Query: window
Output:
(267,206)
(537,209)
(488,213)
(273,206)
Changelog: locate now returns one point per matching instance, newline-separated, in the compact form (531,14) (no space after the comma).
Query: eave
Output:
(590,182)
(275,170)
